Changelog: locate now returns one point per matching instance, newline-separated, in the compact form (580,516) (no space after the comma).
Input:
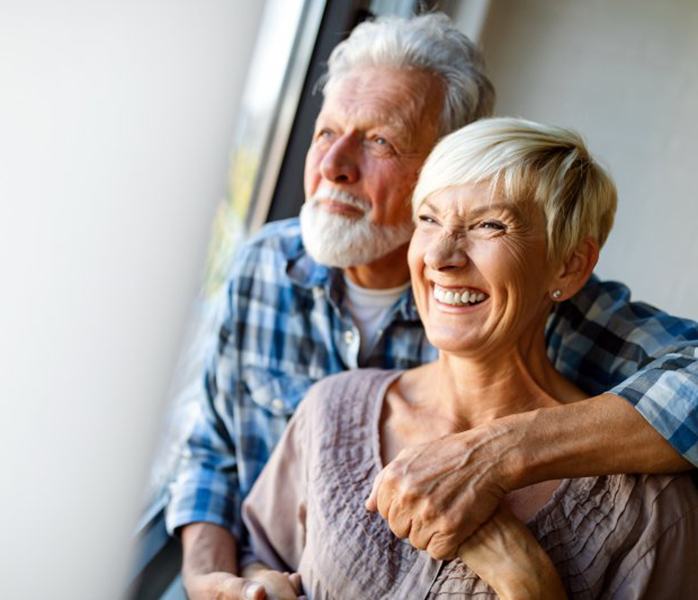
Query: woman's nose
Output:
(446,252)
(339,165)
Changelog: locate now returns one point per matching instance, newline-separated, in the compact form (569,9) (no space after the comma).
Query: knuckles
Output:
(442,547)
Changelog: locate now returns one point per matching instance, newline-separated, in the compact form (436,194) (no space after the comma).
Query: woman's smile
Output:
(458,296)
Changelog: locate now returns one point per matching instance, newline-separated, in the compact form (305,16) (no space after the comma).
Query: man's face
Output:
(376,128)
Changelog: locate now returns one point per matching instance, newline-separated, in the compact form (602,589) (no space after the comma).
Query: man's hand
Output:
(209,566)
(438,493)
(260,585)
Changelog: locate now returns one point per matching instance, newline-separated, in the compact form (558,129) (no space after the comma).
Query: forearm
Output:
(597,436)
(541,582)
(505,555)
(529,590)
(207,548)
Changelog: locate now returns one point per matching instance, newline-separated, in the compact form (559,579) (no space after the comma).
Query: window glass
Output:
(282,52)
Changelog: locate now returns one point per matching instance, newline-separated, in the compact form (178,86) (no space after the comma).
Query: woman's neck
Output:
(469,391)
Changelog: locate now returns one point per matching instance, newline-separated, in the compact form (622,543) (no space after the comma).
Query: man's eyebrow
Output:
(394,127)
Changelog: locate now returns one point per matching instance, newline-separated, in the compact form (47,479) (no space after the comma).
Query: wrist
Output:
(514,461)
(207,548)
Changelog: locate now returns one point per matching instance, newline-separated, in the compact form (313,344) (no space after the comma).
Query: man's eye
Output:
(381,143)
(323,134)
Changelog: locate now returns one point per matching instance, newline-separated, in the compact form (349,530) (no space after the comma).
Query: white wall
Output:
(624,74)
(116,119)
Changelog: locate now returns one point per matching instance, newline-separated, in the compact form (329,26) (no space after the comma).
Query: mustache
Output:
(337,195)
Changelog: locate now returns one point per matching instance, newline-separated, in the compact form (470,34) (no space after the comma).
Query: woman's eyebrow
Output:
(476,212)
(429,205)
(506,206)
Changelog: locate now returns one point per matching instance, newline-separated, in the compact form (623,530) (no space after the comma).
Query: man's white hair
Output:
(431,43)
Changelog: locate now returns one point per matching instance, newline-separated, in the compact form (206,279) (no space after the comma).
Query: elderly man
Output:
(329,292)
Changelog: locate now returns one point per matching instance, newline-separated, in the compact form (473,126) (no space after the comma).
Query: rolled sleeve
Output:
(604,341)
(665,393)
(206,488)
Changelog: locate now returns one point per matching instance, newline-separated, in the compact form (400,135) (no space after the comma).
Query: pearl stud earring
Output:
(557,294)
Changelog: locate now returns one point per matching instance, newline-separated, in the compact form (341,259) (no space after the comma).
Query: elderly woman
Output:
(509,217)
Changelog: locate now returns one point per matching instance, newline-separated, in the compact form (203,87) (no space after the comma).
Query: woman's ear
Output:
(573,273)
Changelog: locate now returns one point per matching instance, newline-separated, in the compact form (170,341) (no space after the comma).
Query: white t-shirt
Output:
(368,308)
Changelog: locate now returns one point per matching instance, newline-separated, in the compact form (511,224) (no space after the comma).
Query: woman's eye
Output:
(496,225)
(426,219)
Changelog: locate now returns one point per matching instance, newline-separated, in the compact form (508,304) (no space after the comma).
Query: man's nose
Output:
(448,252)
(339,164)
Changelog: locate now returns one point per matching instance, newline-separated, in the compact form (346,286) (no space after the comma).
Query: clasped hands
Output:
(257,582)
(447,497)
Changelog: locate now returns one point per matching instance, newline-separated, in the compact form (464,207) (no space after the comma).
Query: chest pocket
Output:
(277,393)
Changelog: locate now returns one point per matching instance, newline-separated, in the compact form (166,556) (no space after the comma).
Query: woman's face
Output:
(479,269)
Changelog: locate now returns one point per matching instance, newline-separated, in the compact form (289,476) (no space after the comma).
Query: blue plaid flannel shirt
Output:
(285,329)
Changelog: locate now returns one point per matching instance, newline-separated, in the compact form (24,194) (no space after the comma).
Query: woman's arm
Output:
(506,556)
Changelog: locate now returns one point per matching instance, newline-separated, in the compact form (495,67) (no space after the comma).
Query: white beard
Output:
(338,241)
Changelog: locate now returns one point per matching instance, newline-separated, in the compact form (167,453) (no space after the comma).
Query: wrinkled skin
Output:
(507,557)
(438,493)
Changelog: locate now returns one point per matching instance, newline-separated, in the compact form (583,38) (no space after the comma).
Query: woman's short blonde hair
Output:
(528,161)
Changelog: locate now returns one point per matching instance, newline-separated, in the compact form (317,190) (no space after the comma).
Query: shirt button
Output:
(348,336)
(277,404)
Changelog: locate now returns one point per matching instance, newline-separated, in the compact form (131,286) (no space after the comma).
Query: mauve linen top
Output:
(620,536)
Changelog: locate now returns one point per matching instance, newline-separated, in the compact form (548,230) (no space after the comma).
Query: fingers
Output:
(372,500)
(419,537)
(251,590)
(225,586)
(295,580)
(400,522)
(236,587)
(442,546)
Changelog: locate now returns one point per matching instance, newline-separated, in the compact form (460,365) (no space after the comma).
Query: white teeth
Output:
(457,298)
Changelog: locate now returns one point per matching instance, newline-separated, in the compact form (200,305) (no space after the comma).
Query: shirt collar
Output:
(301,269)
(406,306)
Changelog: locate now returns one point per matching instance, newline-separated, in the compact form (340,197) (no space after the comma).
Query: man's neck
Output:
(389,271)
